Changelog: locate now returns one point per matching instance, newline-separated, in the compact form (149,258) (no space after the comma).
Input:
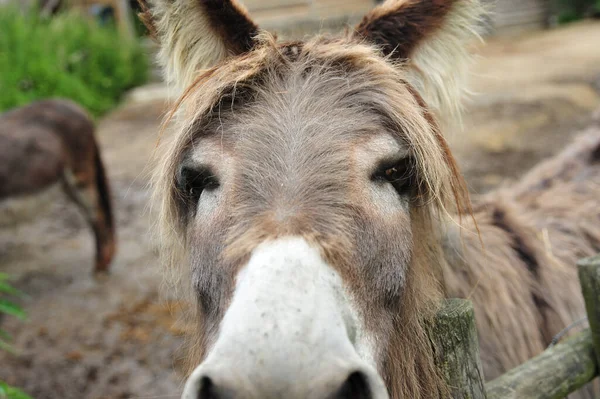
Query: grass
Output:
(10,308)
(8,392)
(66,56)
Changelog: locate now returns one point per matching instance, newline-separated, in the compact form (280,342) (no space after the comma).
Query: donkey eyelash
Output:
(192,181)
(398,172)
(386,167)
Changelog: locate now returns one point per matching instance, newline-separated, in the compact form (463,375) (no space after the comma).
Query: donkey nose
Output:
(290,332)
(355,385)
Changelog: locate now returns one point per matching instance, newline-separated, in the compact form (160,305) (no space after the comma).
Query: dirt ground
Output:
(532,93)
(119,337)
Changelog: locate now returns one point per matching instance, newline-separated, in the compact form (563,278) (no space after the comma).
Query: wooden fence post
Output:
(589,277)
(454,336)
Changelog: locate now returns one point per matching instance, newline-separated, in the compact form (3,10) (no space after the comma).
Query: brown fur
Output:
(195,34)
(232,22)
(52,141)
(430,37)
(410,21)
(524,285)
(284,126)
(228,18)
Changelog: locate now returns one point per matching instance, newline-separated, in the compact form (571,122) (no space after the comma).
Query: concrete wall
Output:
(507,15)
(281,15)
(518,15)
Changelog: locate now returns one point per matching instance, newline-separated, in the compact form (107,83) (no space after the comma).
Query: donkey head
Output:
(300,192)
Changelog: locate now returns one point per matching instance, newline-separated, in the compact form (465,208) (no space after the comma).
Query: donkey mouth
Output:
(290,332)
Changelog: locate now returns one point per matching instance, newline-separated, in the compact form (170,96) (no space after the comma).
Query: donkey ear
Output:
(196,34)
(431,37)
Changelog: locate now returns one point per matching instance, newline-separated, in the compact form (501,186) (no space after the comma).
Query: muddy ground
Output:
(119,337)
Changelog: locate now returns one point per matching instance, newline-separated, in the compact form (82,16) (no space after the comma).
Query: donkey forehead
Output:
(364,153)
(303,103)
(289,135)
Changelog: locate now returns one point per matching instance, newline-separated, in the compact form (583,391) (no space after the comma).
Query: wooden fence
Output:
(555,373)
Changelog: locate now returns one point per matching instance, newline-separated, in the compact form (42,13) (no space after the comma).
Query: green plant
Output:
(572,10)
(67,55)
(8,392)
(8,307)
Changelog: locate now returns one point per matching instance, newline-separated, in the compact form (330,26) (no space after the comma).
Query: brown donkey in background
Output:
(52,141)
(309,200)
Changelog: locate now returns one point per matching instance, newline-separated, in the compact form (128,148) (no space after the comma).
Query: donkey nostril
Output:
(356,386)
(206,389)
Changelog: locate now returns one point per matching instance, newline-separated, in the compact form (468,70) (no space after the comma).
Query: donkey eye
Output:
(193,182)
(394,174)
(397,173)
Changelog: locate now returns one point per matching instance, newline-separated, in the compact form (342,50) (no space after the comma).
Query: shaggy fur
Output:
(292,116)
(524,284)
(431,36)
(367,82)
(53,141)
(197,34)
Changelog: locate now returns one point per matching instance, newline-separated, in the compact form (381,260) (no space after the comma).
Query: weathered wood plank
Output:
(553,374)
(454,336)
(589,277)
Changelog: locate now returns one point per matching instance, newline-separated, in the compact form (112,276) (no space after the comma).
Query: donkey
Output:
(311,204)
(52,141)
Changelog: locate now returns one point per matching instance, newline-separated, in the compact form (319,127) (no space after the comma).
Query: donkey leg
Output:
(83,192)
